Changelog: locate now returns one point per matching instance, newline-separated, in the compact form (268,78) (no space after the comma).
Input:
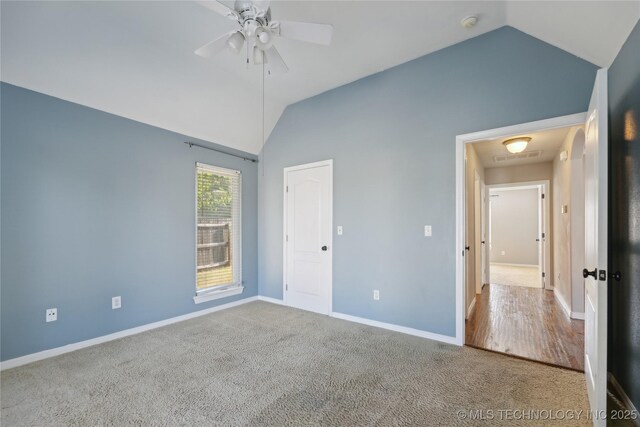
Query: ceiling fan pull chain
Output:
(247,64)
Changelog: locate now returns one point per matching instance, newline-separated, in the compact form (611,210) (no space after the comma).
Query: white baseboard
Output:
(271,300)
(471,307)
(619,392)
(396,328)
(389,326)
(34,357)
(509,264)
(563,303)
(576,315)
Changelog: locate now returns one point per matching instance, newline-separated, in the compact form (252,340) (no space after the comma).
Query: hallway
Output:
(526,322)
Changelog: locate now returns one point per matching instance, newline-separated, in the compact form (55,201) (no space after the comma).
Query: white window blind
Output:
(218,220)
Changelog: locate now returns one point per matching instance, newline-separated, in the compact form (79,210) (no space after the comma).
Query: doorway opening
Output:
(523,293)
(519,247)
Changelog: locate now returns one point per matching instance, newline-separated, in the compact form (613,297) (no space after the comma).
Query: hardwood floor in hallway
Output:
(528,323)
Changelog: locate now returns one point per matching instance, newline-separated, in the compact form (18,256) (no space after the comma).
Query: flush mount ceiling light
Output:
(516,145)
(469,21)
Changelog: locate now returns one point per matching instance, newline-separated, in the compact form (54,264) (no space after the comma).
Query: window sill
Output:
(222,293)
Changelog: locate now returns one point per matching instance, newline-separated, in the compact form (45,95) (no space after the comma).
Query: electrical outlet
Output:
(116,302)
(339,230)
(52,315)
(376,295)
(427,230)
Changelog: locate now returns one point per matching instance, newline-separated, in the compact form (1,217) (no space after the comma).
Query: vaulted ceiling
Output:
(135,59)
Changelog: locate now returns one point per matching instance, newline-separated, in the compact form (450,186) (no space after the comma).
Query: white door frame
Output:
(530,127)
(477,230)
(484,235)
(544,214)
(286,170)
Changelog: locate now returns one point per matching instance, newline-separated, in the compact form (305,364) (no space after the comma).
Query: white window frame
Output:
(236,287)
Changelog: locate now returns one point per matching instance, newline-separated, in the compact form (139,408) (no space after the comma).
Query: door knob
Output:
(324,248)
(466,248)
(482,242)
(617,276)
(586,273)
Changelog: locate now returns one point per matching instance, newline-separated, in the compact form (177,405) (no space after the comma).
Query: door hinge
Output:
(543,235)
(543,274)
(543,195)
(286,286)
(287,188)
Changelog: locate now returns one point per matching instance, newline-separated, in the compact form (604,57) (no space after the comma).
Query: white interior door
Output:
(541,239)
(483,242)
(308,224)
(595,216)
(477,218)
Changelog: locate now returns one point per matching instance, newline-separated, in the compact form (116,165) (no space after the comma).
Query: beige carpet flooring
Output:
(515,276)
(261,364)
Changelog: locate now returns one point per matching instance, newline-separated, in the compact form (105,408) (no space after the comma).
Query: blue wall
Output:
(624,205)
(94,206)
(392,138)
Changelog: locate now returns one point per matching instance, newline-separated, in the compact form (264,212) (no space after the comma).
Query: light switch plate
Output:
(427,230)
(116,302)
(339,230)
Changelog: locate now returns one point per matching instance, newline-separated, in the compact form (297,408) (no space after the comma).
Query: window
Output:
(218,249)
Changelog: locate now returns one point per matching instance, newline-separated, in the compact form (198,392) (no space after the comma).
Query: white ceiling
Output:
(547,142)
(135,59)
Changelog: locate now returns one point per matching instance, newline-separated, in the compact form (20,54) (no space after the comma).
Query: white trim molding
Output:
(472,306)
(34,357)
(563,303)
(271,300)
(577,315)
(619,392)
(508,264)
(217,294)
(461,140)
(396,328)
(377,324)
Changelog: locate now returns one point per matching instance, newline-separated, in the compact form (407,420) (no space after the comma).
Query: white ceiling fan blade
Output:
(214,47)
(274,62)
(307,32)
(220,8)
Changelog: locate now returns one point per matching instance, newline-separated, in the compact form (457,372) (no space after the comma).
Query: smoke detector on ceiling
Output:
(469,21)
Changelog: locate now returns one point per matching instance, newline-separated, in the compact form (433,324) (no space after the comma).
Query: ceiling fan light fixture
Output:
(263,39)
(264,36)
(235,41)
(516,145)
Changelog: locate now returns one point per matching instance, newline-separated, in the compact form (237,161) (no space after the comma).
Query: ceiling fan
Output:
(258,31)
